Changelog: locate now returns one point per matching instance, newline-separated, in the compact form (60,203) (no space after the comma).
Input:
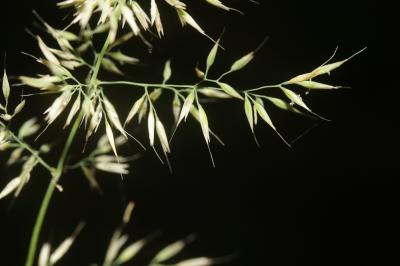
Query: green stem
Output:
(138,84)
(25,146)
(223,75)
(61,166)
(264,87)
(49,193)
(99,61)
(33,152)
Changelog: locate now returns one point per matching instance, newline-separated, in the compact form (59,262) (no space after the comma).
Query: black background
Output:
(331,199)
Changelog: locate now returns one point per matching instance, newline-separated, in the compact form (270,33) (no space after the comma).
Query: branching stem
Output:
(35,153)
(32,151)
(138,84)
(56,175)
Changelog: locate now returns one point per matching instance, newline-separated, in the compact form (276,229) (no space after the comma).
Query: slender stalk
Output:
(264,87)
(33,152)
(56,175)
(49,193)
(25,146)
(223,75)
(99,60)
(138,84)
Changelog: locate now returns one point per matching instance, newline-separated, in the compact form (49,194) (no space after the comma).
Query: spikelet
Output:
(185,18)
(6,87)
(110,164)
(58,106)
(113,116)
(141,16)
(187,105)
(162,136)
(176,3)
(229,90)
(128,15)
(155,18)
(151,127)
(135,109)
(202,261)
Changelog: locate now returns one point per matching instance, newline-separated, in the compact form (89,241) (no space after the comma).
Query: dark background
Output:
(329,200)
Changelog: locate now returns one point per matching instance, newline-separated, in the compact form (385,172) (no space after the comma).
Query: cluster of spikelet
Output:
(85,102)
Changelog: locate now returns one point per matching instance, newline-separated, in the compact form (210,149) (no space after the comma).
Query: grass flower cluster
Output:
(87,107)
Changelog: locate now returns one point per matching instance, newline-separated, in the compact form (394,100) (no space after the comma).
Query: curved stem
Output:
(56,175)
(223,75)
(264,87)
